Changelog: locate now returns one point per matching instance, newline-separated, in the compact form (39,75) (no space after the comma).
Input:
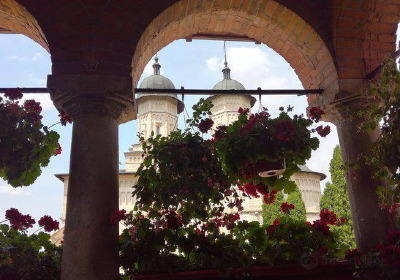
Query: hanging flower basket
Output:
(259,149)
(268,169)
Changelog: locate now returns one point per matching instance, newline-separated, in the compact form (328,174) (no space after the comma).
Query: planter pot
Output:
(268,169)
(320,272)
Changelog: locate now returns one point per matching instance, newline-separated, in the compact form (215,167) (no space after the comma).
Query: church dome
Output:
(227,83)
(156,81)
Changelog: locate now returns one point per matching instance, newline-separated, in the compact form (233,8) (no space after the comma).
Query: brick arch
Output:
(15,19)
(265,21)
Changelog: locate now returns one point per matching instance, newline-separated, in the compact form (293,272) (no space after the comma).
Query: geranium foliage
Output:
(26,145)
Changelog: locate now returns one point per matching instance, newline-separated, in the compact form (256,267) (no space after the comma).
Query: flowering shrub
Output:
(257,142)
(24,139)
(24,256)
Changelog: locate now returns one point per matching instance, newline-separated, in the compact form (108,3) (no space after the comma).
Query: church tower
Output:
(225,109)
(157,113)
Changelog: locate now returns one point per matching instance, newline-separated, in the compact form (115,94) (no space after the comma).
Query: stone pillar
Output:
(95,103)
(371,224)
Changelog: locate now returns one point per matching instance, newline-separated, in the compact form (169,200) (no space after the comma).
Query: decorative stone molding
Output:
(80,95)
(343,102)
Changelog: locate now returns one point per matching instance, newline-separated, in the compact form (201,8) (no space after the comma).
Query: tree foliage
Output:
(335,198)
(274,211)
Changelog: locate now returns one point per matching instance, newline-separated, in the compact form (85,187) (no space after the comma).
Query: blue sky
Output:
(193,65)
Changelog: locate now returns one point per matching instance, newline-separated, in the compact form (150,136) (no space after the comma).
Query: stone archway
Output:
(265,21)
(15,19)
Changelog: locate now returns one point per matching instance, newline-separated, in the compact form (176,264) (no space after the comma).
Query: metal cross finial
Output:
(226,71)
(156,66)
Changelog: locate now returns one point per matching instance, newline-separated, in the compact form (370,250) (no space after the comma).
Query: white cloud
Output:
(31,79)
(24,59)
(43,98)
(214,64)
(8,190)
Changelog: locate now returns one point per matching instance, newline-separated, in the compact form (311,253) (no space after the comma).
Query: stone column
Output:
(371,224)
(95,103)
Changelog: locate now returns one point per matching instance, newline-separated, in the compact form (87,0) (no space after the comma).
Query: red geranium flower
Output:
(120,215)
(19,221)
(33,110)
(271,229)
(323,131)
(286,207)
(353,255)
(284,130)
(220,132)
(205,125)
(13,93)
(64,118)
(243,111)
(58,150)
(262,189)
(174,221)
(316,113)
(48,223)
(322,227)
(251,190)
(270,197)
(328,217)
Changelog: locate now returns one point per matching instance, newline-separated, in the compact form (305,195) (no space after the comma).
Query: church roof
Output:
(305,169)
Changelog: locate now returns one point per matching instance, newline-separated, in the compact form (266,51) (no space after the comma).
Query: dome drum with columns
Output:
(158,114)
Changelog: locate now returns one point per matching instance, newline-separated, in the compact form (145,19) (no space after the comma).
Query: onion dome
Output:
(158,81)
(227,83)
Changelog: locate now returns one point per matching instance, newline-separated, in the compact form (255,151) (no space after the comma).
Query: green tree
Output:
(335,198)
(299,212)
(273,211)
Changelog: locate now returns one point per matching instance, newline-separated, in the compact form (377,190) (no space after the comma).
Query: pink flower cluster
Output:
(228,220)
(19,221)
(316,113)
(270,197)
(271,229)
(323,131)
(205,125)
(48,223)
(33,111)
(258,118)
(118,216)
(285,207)
(254,190)
(13,93)
(58,150)
(22,222)
(64,118)
(284,130)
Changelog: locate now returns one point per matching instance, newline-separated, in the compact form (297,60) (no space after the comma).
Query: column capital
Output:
(350,96)
(80,95)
